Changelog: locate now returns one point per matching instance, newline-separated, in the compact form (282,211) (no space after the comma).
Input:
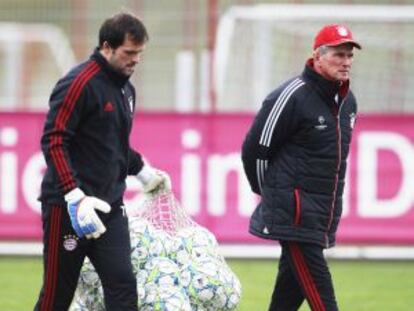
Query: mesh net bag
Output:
(177,262)
(163,211)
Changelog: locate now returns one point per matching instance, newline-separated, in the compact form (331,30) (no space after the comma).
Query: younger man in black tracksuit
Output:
(295,158)
(86,146)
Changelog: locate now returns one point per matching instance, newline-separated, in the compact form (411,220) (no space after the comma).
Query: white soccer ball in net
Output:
(210,284)
(201,281)
(165,298)
(160,243)
(162,271)
(178,251)
(142,277)
(228,295)
(139,231)
(146,242)
(198,242)
(89,293)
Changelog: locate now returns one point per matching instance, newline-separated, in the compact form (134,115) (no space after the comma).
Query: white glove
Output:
(153,180)
(83,216)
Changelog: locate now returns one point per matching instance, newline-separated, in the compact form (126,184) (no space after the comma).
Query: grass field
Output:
(360,285)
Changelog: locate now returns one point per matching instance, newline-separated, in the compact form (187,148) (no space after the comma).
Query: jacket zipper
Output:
(125,111)
(338,166)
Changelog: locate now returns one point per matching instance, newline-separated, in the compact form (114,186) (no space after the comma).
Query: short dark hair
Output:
(115,28)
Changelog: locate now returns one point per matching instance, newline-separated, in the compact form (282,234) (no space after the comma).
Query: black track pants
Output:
(63,255)
(303,274)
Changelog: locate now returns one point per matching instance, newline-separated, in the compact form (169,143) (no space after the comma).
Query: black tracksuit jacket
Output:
(294,156)
(86,135)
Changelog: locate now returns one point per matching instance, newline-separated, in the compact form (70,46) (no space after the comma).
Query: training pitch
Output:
(360,285)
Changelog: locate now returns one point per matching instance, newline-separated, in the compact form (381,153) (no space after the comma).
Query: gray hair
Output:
(323,49)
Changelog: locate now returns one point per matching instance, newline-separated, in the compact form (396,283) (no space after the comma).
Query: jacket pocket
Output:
(298,207)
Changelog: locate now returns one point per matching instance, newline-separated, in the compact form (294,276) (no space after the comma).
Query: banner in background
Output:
(202,154)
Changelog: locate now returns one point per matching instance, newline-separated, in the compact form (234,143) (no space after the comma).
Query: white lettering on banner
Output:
(247,199)
(219,167)
(191,172)
(8,182)
(133,198)
(369,143)
(32,179)
(210,172)
(8,171)
(346,195)
(191,183)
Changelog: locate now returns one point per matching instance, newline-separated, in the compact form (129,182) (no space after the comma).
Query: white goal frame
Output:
(294,12)
(13,37)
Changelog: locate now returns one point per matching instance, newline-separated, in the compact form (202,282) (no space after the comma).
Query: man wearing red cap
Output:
(294,156)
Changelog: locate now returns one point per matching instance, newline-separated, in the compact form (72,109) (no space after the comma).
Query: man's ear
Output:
(106,46)
(106,50)
(316,55)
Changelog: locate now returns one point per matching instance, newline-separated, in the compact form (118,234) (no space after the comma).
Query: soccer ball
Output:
(179,251)
(159,243)
(89,293)
(197,242)
(88,275)
(210,284)
(228,294)
(88,300)
(199,236)
(139,230)
(146,242)
(165,298)
(200,280)
(162,271)
(142,277)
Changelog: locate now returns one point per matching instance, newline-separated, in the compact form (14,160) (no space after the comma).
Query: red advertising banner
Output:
(201,152)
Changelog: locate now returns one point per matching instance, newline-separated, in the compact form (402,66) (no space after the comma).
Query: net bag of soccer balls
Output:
(177,263)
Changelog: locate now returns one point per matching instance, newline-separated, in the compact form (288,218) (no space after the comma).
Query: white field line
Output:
(252,251)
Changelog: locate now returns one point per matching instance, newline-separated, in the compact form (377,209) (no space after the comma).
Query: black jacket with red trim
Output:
(86,135)
(294,156)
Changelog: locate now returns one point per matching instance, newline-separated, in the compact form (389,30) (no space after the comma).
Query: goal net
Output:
(260,46)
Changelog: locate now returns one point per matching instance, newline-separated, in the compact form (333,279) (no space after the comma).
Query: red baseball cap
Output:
(333,35)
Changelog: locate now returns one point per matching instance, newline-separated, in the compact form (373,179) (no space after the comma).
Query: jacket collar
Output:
(118,78)
(327,88)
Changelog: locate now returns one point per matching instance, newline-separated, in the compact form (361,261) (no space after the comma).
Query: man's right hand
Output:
(85,221)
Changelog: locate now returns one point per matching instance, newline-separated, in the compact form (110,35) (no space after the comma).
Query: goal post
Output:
(31,55)
(260,46)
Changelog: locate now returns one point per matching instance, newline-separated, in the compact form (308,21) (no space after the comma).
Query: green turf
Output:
(19,282)
(360,285)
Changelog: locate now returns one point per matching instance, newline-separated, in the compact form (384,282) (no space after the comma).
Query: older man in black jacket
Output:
(294,157)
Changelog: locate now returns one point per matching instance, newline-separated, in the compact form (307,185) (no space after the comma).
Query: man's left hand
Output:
(153,180)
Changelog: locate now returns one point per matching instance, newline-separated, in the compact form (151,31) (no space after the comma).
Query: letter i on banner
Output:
(219,168)
(8,171)
(191,172)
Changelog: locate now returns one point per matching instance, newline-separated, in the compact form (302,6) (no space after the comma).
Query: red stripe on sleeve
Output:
(61,120)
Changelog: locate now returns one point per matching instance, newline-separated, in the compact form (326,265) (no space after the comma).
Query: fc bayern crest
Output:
(70,242)
(342,31)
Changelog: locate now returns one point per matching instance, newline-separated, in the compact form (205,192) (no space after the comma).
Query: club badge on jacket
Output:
(70,242)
